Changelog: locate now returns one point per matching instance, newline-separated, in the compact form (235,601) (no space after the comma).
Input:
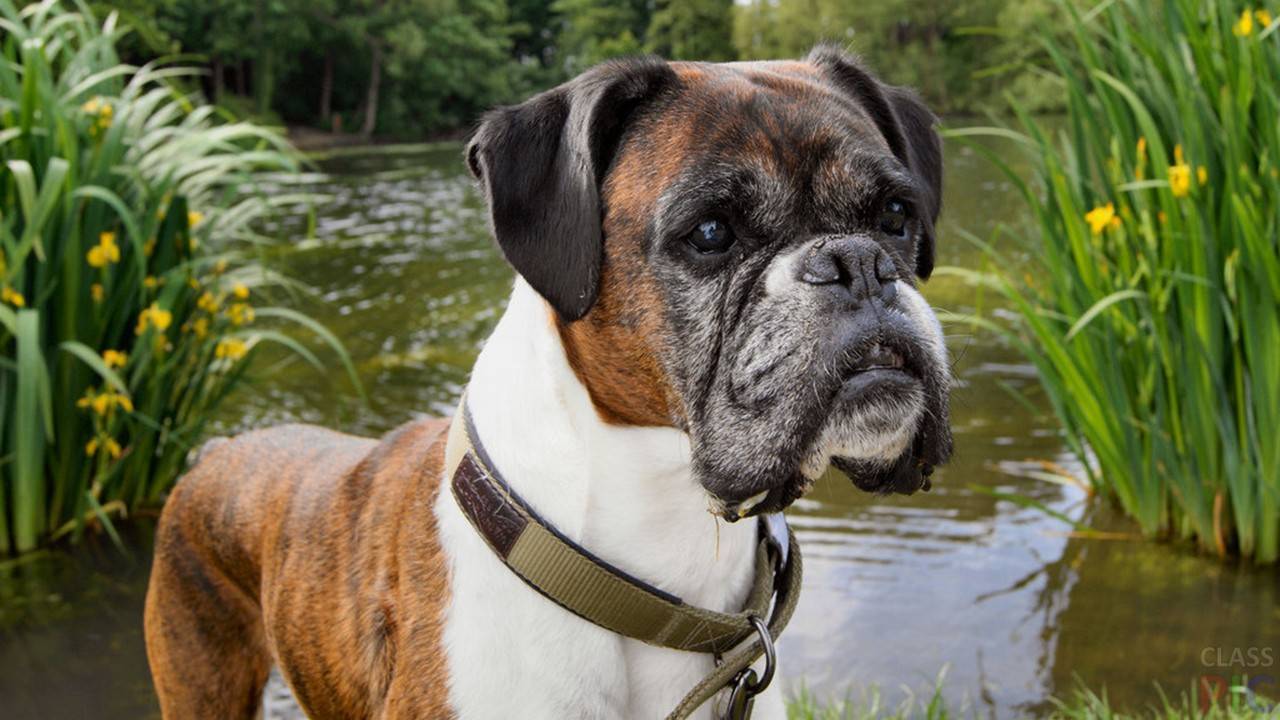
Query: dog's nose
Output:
(854,263)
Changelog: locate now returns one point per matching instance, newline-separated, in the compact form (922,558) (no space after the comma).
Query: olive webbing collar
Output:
(574,578)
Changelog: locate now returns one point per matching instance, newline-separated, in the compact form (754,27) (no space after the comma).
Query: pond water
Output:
(999,598)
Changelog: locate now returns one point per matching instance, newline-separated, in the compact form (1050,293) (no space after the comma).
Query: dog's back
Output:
(296,540)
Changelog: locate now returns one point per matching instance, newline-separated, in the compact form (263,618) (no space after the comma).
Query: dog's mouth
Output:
(769,500)
(877,356)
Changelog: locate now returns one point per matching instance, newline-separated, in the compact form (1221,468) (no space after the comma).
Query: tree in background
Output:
(413,68)
(534,26)
(692,30)
(947,50)
(593,31)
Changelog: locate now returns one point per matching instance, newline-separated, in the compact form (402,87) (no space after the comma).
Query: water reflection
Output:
(71,632)
(896,588)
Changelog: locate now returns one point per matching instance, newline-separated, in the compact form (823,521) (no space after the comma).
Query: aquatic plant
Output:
(127,279)
(1151,302)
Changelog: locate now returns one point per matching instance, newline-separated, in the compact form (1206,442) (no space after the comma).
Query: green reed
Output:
(1151,306)
(127,274)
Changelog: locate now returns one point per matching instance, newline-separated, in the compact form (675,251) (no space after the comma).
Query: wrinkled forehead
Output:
(758,133)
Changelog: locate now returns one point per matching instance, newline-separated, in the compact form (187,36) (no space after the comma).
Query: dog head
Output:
(733,250)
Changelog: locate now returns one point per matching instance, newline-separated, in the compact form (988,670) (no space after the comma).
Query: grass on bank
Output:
(1151,307)
(1235,702)
(129,296)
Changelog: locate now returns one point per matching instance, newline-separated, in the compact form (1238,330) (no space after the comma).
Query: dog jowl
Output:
(733,250)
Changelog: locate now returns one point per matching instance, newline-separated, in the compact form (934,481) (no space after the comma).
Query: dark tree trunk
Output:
(371,96)
(219,86)
(264,82)
(263,63)
(242,87)
(326,90)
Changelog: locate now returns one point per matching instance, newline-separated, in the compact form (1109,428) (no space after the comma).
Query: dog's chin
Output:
(869,426)
(870,434)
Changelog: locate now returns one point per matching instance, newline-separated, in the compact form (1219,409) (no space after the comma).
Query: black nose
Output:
(853,263)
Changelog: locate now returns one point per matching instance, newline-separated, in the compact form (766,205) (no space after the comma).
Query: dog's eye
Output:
(893,218)
(711,236)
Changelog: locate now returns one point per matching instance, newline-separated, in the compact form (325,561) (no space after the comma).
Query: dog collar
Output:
(574,578)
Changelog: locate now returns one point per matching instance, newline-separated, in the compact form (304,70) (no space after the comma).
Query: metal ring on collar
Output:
(746,686)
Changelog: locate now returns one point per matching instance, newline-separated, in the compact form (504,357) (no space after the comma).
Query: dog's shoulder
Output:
(415,448)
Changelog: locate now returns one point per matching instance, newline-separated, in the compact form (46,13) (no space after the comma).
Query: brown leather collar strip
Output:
(587,586)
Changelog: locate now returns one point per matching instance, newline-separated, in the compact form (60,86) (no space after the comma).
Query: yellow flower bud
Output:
(207,302)
(13,297)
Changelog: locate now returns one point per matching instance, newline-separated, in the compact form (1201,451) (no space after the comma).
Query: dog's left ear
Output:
(542,164)
(907,125)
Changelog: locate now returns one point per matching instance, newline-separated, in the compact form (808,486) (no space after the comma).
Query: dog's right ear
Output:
(542,164)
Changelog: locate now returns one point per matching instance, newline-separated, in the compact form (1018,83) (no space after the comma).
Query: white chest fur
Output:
(626,494)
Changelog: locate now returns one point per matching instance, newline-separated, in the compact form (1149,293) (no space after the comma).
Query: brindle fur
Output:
(312,549)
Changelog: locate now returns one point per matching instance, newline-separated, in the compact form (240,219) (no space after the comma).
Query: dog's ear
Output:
(908,127)
(542,164)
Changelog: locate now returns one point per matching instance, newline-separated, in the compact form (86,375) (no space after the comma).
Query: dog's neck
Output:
(627,494)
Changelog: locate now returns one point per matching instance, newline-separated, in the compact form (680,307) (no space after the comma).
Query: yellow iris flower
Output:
(231,348)
(1180,180)
(1101,217)
(207,302)
(109,445)
(13,297)
(106,251)
(240,313)
(1244,26)
(153,316)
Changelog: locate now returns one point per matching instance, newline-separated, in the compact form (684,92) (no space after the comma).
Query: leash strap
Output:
(600,593)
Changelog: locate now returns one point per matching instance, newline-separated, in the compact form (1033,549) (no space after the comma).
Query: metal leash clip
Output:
(746,686)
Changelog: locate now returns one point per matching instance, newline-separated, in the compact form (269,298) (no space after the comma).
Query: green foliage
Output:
(1152,311)
(692,30)
(593,31)
(929,46)
(451,78)
(412,68)
(126,219)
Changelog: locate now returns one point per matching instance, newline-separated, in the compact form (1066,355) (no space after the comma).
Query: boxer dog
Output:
(717,301)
